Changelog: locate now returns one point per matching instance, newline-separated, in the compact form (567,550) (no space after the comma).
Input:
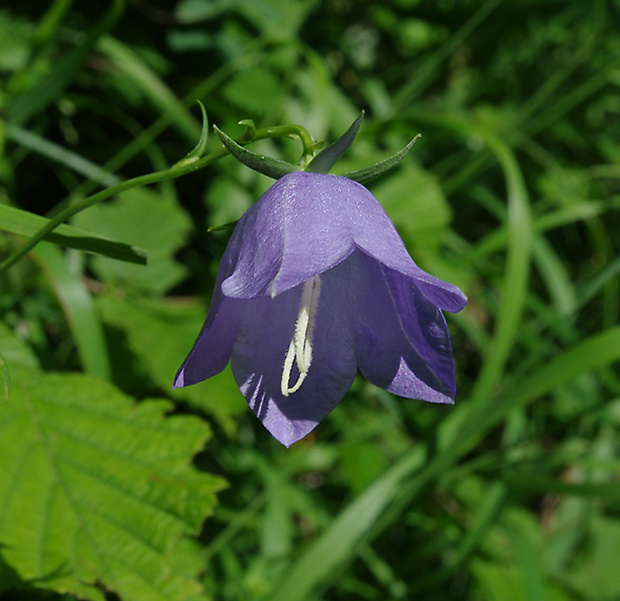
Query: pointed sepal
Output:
(327,158)
(368,173)
(259,162)
(225,226)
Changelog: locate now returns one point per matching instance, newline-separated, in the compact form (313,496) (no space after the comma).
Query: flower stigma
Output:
(300,348)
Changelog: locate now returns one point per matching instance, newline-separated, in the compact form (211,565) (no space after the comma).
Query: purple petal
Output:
(291,234)
(213,347)
(258,360)
(306,224)
(402,341)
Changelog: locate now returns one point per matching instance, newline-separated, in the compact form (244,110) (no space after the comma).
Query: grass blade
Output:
(23,223)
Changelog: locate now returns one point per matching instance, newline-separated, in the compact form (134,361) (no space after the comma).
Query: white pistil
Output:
(300,348)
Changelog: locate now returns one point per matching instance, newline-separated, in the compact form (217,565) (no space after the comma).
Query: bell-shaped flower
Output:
(316,284)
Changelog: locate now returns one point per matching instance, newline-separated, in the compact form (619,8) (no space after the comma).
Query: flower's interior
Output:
(300,348)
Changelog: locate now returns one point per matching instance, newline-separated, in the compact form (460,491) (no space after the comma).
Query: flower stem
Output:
(178,170)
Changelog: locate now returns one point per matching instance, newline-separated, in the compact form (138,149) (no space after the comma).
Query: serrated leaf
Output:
(150,220)
(96,491)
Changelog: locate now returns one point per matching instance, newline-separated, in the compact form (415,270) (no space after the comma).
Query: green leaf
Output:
(60,154)
(62,72)
(15,351)
(498,582)
(77,305)
(18,221)
(96,491)
(600,562)
(14,41)
(138,72)
(252,90)
(415,202)
(153,221)
(160,336)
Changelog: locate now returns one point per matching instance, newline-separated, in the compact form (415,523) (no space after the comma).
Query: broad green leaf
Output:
(499,582)
(18,221)
(155,222)
(415,202)
(96,491)
(252,90)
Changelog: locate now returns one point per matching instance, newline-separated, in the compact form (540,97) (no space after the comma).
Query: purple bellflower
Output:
(316,284)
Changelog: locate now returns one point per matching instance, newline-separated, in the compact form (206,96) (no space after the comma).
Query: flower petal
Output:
(213,347)
(258,360)
(290,235)
(306,224)
(402,340)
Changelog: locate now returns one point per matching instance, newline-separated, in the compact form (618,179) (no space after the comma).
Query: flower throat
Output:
(300,348)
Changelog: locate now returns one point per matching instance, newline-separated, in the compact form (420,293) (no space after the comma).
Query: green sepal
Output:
(259,162)
(368,173)
(225,226)
(327,158)
(201,147)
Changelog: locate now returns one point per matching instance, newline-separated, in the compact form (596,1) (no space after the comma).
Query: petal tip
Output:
(179,381)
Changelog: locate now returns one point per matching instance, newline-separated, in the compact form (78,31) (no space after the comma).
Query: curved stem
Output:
(181,168)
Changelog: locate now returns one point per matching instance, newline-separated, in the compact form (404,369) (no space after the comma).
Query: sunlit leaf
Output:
(24,223)
(96,491)
(153,221)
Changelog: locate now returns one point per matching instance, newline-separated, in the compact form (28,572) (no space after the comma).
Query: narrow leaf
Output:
(18,221)
(132,66)
(63,71)
(62,155)
(77,304)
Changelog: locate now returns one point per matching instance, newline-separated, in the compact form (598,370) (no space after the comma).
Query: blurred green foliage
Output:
(512,193)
